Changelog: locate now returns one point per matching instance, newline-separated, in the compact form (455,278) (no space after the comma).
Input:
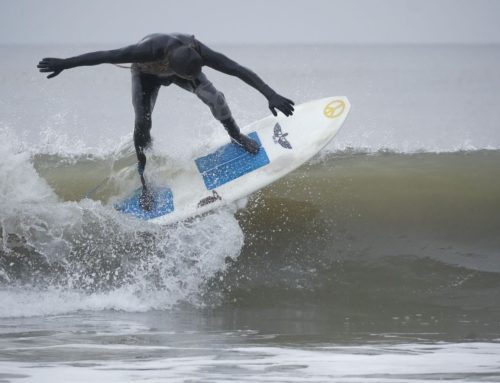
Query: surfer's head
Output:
(185,62)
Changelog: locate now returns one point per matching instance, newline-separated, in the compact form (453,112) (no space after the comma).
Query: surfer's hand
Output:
(53,65)
(284,105)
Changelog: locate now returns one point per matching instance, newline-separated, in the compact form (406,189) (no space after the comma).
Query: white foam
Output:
(460,362)
(174,270)
(87,256)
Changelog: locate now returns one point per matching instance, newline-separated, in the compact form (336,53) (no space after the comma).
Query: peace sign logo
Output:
(334,109)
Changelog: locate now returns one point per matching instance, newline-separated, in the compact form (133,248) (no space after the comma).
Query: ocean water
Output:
(377,261)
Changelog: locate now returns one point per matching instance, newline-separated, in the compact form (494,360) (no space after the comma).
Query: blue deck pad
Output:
(164,204)
(229,162)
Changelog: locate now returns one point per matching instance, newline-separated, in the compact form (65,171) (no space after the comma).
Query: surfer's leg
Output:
(216,101)
(144,92)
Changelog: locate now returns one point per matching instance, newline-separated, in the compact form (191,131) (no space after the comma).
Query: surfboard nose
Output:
(327,110)
(336,107)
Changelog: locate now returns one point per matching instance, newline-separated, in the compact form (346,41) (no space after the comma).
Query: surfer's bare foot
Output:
(146,200)
(248,144)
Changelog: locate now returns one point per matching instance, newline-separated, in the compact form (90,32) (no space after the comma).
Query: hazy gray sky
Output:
(257,21)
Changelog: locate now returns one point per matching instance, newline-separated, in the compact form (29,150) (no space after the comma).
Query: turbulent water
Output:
(379,260)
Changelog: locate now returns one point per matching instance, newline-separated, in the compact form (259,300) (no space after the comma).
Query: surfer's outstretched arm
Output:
(224,64)
(141,52)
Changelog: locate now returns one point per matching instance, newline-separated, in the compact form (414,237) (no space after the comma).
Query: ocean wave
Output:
(84,248)
(345,223)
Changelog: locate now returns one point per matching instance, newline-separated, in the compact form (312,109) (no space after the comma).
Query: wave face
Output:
(348,229)
(388,237)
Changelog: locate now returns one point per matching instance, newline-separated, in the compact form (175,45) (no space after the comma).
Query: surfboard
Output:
(227,172)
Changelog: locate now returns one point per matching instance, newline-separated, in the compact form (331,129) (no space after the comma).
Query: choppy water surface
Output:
(376,261)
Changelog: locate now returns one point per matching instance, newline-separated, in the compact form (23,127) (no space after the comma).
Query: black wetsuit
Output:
(151,69)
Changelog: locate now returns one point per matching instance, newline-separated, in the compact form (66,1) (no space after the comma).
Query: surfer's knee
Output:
(215,100)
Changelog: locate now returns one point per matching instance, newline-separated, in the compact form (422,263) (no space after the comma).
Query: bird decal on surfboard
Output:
(280,138)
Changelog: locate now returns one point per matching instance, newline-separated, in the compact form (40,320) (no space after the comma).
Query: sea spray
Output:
(84,251)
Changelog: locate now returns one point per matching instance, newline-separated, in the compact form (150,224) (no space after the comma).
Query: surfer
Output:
(165,59)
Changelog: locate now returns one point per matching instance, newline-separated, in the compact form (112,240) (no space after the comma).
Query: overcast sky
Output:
(254,21)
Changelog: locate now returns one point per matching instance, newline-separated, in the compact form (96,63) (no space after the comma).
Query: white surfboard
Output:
(228,173)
